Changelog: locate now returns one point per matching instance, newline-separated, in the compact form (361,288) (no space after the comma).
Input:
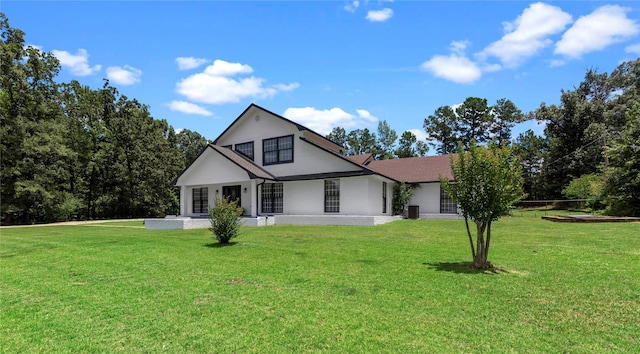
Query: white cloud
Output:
(323,121)
(352,6)
(556,63)
(283,87)
(78,63)
(186,63)
(606,25)
(366,115)
(459,47)
(456,68)
(216,85)
(527,35)
(633,49)
(420,134)
(189,108)
(379,15)
(224,68)
(127,75)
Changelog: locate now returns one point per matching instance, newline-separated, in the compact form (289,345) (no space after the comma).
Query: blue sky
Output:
(199,64)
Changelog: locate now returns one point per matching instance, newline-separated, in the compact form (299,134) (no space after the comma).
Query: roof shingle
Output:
(414,169)
(254,170)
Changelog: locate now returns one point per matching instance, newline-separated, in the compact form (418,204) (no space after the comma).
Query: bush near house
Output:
(225,219)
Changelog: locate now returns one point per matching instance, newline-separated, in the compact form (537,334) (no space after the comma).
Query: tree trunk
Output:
(486,246)
(473,251)
(480,260)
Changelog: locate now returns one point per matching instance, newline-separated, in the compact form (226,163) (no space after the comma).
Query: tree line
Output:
(473,120)
(72,152)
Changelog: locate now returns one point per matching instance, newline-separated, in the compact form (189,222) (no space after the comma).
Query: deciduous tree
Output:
(190,144)
(623,183)
(530,149)
(487,182)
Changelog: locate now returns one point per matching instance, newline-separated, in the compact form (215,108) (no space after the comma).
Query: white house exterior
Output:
(284,173)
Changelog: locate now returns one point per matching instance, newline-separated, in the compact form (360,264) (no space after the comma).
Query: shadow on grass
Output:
(220,245)
(463,267)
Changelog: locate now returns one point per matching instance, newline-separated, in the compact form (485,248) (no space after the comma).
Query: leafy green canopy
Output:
(487,182)
(623,183)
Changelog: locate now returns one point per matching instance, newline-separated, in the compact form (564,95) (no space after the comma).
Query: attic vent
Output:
(257,117)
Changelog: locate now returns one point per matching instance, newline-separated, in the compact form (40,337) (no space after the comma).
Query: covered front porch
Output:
(196,200)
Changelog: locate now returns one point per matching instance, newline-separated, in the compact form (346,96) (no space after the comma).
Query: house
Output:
(284,173)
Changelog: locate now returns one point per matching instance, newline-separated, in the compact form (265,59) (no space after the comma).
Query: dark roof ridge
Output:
(347,159)
(298,125)
(259,172)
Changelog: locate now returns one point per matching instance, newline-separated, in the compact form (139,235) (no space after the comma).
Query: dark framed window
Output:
(272,198)
(200,200)
(246,149)
(384,197)
(277,150)
(332,196)
(447,205)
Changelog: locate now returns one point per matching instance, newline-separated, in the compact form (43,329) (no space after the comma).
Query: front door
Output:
(231,192)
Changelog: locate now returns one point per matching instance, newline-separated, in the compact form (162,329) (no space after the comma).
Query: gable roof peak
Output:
(300,127)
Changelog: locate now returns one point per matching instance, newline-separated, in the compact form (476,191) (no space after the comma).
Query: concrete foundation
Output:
(185,222)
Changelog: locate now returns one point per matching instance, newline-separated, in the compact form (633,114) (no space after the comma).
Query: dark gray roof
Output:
(252,169)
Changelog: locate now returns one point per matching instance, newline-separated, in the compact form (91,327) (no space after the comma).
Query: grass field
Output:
(401,287)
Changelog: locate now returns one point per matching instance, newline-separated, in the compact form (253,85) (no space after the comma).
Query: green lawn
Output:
(401,287)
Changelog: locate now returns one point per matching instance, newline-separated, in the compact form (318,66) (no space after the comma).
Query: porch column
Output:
(254,198)
(183,200)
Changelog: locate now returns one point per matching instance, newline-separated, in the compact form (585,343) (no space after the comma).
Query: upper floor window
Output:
(277,150)
(245,149)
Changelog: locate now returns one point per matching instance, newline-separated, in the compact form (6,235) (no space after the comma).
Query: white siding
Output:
(304,197)
(427,197)
(360,195)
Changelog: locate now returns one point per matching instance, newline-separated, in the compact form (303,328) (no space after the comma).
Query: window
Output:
(332,196)
(384,197)
(272,201)
(277,150)
(245,149)
(200,200)
(447,205)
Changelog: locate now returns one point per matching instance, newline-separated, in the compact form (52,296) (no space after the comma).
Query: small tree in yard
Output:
(225,219)
(487,181)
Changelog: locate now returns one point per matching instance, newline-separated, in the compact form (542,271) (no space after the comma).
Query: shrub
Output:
(589,187)
(402,194)
(225,219)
